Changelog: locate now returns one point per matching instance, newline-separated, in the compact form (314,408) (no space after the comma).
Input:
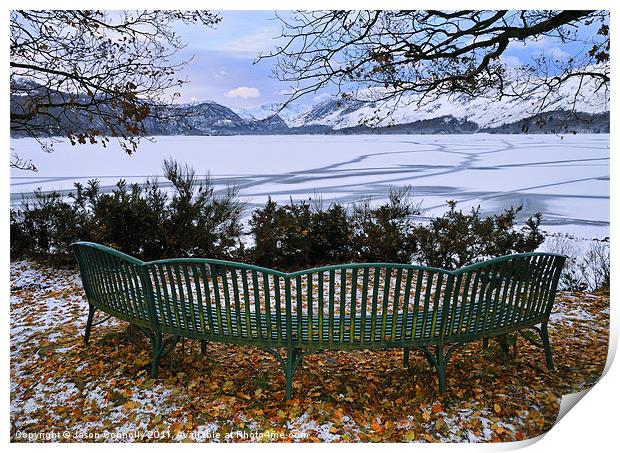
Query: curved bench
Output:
(349,306)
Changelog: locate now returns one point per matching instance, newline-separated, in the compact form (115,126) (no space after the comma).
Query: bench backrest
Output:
(196,297)
(345,305)
(501,293)
(113,282)
(310,307)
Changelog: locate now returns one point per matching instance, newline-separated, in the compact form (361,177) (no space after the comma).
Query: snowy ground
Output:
(63,391)
(566,178)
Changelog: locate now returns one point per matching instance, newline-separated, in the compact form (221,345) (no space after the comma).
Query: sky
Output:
(224,68)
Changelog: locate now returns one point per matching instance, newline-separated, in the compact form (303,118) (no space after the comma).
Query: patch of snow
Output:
(304,424)
(568,317)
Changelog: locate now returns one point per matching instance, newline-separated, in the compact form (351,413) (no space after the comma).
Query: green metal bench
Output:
(349,306)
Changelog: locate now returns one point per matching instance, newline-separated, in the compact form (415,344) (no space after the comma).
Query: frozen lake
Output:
(567,179)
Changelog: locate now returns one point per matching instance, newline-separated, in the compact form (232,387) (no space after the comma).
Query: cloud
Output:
(252,44)
(555,53)
(511,61)
(537,42)
(243,93)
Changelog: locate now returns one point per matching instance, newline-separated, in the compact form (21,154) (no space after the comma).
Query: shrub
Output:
(294,236)
(572,277)
(597,264)
(144,221)
(190,219)
(45,225)
(20,241)
(331,236)
(457,239)
(128,218)
(150,223)
(584,269)
(384,233)
(279,235)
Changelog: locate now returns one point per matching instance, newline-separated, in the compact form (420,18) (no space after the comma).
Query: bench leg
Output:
(485,343)
(406,357)
(293,360)
(544,336)
(203,347)
(157,345)
(89,322)
(439,360)
(440,365)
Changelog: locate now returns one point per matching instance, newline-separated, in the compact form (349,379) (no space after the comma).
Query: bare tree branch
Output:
(110,68)
(380,56)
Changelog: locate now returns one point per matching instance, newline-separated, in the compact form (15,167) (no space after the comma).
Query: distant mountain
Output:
(448,114)
(206,118)
(210,118)
(488,115)
(440,125)
(556,122)
(288,114)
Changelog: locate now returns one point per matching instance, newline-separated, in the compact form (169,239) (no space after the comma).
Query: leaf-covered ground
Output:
(64,391)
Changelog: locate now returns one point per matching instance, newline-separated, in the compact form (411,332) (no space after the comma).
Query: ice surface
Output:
(564,177)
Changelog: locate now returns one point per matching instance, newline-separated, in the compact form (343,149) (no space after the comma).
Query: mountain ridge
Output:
(449,114)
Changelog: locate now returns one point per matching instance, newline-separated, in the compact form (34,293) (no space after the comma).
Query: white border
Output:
(591,425)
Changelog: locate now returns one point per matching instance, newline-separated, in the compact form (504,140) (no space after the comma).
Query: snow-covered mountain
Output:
(211,118)
(289,114)
(487,114)
(204,118)
(447,114)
